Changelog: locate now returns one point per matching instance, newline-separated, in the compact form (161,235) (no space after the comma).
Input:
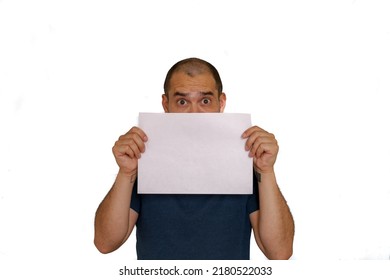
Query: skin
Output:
(273,226)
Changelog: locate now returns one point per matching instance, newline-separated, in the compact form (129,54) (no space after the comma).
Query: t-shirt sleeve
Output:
(135,203)
(253,201)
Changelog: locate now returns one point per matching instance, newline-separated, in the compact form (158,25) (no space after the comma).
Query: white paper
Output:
(195,153)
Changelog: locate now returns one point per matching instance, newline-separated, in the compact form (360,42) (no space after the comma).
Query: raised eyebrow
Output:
(208,93)
(182,94)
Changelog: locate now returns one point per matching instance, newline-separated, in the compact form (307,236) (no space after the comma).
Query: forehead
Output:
(182,82)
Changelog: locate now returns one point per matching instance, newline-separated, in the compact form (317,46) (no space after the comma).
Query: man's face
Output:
(196,94)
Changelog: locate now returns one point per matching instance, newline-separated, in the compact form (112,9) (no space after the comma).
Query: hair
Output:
(192,67)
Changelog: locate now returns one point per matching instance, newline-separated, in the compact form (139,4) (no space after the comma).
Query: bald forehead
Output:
(184,83)
(193,68)
(191,78)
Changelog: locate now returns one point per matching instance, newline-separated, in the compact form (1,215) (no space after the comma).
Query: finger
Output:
(136,145)
(134,136)
(258,146)
(138,131)
(133,141)
(251,130)
(264,148)
(130,149)
(253,137)
(137,140)
(123,150)
(137,150)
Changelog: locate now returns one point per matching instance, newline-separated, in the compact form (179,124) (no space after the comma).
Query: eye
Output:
(181,102)
(206,101)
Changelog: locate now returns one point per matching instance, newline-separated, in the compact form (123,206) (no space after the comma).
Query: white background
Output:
(75,74)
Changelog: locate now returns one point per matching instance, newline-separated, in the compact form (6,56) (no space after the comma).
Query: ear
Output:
(164,103)
(222,102)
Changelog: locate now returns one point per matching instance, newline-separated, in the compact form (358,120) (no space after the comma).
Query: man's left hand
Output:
(263,147)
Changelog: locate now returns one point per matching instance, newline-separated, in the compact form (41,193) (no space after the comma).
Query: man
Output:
(196,226)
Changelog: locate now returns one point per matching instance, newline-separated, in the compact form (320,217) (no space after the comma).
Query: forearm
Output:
(276,225)
(112,215)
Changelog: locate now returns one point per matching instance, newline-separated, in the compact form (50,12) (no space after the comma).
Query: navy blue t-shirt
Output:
(197,227)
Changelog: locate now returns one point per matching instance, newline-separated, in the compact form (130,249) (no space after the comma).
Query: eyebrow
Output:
(182,94)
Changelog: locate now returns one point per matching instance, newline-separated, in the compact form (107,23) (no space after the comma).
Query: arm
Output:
(273,225)
(114,220)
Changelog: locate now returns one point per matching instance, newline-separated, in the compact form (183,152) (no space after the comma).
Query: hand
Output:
(127,150)
(263,147)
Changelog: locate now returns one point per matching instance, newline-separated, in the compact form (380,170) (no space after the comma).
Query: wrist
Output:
(126,174)
(264,175)
(264,171)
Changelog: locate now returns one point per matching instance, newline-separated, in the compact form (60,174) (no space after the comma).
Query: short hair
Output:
(193,66)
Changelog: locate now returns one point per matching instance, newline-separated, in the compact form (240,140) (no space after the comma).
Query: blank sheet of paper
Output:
(195,153)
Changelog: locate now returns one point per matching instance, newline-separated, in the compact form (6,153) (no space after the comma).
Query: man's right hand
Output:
(128,149)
